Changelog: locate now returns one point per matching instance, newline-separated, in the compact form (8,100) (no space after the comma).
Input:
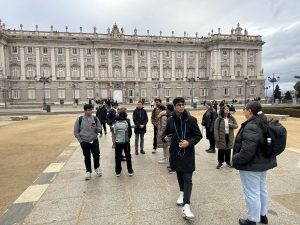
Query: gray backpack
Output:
(121,132)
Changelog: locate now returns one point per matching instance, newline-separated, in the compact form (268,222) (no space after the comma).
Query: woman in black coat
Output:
(184,133)
(208,121)
(250,160)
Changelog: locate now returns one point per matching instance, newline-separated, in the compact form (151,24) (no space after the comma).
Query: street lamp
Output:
(74,85)
(273,80)
(246,81)
(192,80)
(266,91)
(44,80)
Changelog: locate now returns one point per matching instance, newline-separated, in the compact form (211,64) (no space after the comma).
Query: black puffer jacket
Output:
(101,113)
(184,127)
(248,147)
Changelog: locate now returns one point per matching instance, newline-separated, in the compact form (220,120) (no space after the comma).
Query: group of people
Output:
(177,133)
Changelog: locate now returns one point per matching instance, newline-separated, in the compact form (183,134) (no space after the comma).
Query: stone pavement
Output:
(61,196)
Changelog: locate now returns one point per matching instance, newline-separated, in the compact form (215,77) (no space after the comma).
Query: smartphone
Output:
(93,124)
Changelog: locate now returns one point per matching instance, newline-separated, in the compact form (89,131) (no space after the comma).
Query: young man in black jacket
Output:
(140,120)
(183,132)
(102,114)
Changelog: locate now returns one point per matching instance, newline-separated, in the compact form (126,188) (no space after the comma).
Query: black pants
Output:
(103,124)
(185,185)
(224,154)
(87,149)
(211,138)
(118,157)
(155,138)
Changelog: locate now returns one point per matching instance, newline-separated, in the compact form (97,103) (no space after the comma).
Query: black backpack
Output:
(275,139)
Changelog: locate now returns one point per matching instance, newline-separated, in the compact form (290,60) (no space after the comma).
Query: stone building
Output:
(80,66)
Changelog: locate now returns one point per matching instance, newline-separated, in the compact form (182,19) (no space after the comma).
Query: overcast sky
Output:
(278,21)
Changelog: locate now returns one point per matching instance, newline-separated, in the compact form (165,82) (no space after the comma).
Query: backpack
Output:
(80,120)
(275,138)
(121,132)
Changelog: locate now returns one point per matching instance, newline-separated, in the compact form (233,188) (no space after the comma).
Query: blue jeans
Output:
(256,195)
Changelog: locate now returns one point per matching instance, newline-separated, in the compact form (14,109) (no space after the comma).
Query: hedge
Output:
(291,111)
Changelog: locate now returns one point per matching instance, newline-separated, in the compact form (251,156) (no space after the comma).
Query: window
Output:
(74,51)
(238,52)
(47,93)
(143,93)
(179,92)
(168,92)
(225,52)
(102,52)
(130,73)
(59,51)
(129,53)
(226,91)
(130,93)
(238,73)
(31,94)
(15,72)
(225,73)
(142,53)
(77,94)
(202,54)
(103,72)
(252,90)
(45,51)
(155,74)
(154,54)
(167,54)
(75,72)
(61,93)
(46,72)
(191,54)
(117,73)
(204,92)
(143,74)
(251,53)
(90,93)
(191,92)
(30,72)
(29,50)
(89,51)
(179,74)
(239,91)
(14,50)
(15,93)
(89,72)
(155,92)
(60,72)
(179,54)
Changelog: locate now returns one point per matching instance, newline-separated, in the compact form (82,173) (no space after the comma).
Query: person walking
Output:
(112,114)
(123,133)
(86,130)
(253,164)
(140,120)
(208,121)
(183,133)
(224,135)
(154,120)
(102,114)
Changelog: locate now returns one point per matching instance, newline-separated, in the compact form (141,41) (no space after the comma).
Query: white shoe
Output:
(153,151)
(118,175)
(187,213)
(131,174)
(87,176)
(180,198)
(163,161)
(98,172)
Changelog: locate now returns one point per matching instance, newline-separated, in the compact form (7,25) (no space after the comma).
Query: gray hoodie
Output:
(85,132)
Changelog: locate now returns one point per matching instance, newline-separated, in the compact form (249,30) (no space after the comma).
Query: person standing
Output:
(140,120)
(208,121)
(183,132)
(123,133)
(224,135)
(86,130)
(102,114)
(161,127)
(154,120)
(152,104)
(112,114)
(250,160)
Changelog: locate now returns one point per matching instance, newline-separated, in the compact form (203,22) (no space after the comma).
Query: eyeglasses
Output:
(180,104)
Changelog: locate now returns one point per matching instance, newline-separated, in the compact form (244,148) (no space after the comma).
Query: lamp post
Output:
(246,81)
(266,91)
(273,80)
(44,80)
(192,80)
(74,85)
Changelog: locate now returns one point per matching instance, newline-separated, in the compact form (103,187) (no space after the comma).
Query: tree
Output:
(287,96)
(277,92)
(297,88)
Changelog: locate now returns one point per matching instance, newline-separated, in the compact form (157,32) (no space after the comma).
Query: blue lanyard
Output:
(183,133)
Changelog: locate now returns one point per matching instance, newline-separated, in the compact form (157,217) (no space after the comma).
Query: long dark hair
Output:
(256,110)
(221,112)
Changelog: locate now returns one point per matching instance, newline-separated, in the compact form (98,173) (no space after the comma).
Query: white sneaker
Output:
(118,175)
(87,176)
(153,151)
(187,213)
(180,198)
(163,161)
(98,172)
(131,174)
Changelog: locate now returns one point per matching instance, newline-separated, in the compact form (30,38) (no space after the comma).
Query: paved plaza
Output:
(61,196)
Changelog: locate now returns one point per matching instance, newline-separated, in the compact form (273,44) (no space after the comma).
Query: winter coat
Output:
(140,117)
(101,114)
(248,148)
(208,121)
(161,127)
(154,116)
(111,116)
(183,127)
(219,132)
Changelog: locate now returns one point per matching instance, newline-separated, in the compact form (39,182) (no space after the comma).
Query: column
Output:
(82,76)
(197,65)
(232,64)
(2,60)
(219,63)
(136,65)
(68,69)
(53,74)
(109,63)
(211,70)
(123,64)
(184,65)
(22,56)
(161,70)
(173,66)
(96,63)
(149,65)
(38,62)
(258,63)
(245,63)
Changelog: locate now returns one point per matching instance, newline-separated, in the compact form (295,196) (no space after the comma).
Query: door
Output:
(118,96)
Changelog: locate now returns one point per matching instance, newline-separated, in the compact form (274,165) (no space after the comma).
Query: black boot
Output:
(246,222)
(264,219)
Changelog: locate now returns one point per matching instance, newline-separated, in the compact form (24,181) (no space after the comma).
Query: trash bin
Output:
(48,108)
(195,105)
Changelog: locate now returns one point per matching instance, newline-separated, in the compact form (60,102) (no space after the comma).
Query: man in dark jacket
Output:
(111,116)
(102,114)
(183,132)
(140,120)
